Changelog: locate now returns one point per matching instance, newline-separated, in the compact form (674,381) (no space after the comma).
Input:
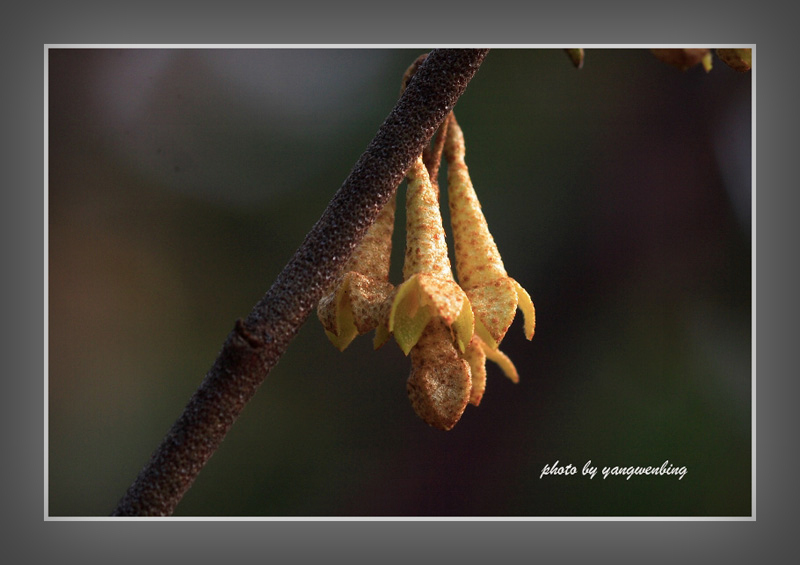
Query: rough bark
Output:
(256,343)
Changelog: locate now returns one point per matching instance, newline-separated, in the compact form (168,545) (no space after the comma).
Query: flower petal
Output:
(503,361)
(440,382)
(495,305)
(408,317)
(356,306)
(336,315)
(476,357)
(526,305)
(382,335)
(423,297)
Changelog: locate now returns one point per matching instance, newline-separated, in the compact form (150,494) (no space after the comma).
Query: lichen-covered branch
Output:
(256,343)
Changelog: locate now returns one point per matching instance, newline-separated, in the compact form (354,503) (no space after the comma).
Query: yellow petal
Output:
(502,360)
(356,306)
(382,335)
(526,305)
(423,297)
(708,62)
(336,315)
(407,318)
(464,325)
(476,357)
(495,305)
(440,382)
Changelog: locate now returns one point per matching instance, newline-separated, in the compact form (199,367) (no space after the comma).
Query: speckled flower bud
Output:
(576,56)
(493,294)
(738,59)
(684,59)
(440,382)
(358,301)
(429,290)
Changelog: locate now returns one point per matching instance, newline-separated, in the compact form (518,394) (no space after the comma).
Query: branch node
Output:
(244,334)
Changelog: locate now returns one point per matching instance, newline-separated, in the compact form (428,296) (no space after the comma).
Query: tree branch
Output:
(256,344)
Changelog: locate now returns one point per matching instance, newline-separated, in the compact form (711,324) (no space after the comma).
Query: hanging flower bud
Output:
(358,301)
(429,291)
(493,294)
(440,382)
(684,59)
(738,59)
(576,56)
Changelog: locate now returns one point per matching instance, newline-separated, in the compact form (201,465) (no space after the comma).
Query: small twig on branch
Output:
(256,344)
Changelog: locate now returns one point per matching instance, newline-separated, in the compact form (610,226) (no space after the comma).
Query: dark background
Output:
(181,181)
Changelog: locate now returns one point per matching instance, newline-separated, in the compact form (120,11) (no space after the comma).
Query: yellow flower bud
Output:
(440,382)
(576,56)
(683,59)
(429,290)
(493,294)
(738,59)
(358,300)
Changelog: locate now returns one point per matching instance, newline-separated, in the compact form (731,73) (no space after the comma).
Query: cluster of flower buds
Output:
(683,59)
(449,329)
(738,59)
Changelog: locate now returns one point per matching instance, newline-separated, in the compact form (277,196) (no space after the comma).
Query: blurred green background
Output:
(181,181)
